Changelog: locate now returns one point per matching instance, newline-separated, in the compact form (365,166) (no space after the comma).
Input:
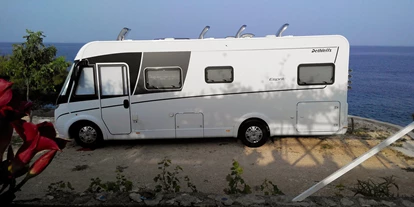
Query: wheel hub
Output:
(88,134)
(254,134)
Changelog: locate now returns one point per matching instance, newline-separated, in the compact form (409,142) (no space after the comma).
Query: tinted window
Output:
(316,74)
(163,78)
(113,80)
(219,74)
(86,83)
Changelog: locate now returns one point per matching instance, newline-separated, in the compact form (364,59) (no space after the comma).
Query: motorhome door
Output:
(115,97)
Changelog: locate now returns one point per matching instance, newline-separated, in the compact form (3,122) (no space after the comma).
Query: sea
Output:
(382,82)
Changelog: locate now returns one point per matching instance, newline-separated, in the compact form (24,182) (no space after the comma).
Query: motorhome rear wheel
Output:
(254,133)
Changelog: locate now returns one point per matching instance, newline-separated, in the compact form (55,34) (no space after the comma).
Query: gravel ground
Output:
(292,163)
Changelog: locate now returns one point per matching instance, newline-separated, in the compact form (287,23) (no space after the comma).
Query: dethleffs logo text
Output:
(321,50)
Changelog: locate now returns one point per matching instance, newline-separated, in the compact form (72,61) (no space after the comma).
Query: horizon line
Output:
(352,45)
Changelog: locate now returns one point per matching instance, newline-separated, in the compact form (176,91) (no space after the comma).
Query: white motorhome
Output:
(242,86)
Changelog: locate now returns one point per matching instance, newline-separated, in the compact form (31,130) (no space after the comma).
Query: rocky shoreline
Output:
(134,198)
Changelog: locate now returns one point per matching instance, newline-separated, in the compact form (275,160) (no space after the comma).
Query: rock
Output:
(224,199)
(248,200)
(364,202)
(187,200)
(135,197)
(281,198)
(388,203)
(81,200)
(101,197)
(329,202)
(49,197)
(207,203)
(155,201)
(407,203)
(170,202)
(135,190)
(346,202)
(122,188)
(304,204)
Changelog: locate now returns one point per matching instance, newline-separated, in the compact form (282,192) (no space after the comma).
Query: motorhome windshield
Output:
(65,85)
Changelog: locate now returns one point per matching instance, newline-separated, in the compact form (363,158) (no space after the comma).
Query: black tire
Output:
(87,134)
(253,133)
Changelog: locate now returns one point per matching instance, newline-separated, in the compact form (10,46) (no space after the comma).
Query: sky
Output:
(362,22)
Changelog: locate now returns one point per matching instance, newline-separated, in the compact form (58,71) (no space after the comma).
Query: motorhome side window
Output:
(219,74)
(113,80)
(316,74)
(86,83)
(163,78)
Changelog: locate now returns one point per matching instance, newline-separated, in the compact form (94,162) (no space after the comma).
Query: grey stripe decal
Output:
(160,59)
(226,94)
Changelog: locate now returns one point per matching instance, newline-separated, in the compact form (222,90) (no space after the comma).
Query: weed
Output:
(270,189)
(397,145)
(120,185)
(371,189)
(190,184)
(169,181)
(409,169)
(59,186)
(121,168)
(326,146)
(361,132)
(382,137)
(234,180)
(402,155)
(80,167)
(339,188)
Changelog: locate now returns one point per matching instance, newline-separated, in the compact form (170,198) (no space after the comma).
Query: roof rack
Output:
(206,28)
(123,34)
(239,34)
(282,29)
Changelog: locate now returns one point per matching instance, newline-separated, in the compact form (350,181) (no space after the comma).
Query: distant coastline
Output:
(382,80)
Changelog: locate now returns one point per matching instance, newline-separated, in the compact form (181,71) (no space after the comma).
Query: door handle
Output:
(126,104)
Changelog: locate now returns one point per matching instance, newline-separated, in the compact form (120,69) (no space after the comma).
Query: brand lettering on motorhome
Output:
(276,79)
(321,50)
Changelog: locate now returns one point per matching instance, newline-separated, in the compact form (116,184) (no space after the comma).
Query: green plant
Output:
(59,186)
(397,145)
(170,181)
(326,146)
(190,184)
(339,188)
(122,184)
(270,189)
(80,167)
(370,188)
(235,180)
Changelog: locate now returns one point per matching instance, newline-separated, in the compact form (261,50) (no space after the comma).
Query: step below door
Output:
(318,116)
(189,125)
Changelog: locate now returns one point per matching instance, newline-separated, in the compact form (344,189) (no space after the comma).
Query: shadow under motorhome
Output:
(243,86)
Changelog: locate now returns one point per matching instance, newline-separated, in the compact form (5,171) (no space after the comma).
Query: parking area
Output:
(292,163)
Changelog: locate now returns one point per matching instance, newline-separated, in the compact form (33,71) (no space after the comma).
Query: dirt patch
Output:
(292,163)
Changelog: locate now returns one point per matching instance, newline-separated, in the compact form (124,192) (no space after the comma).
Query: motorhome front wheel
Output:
(87,134)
